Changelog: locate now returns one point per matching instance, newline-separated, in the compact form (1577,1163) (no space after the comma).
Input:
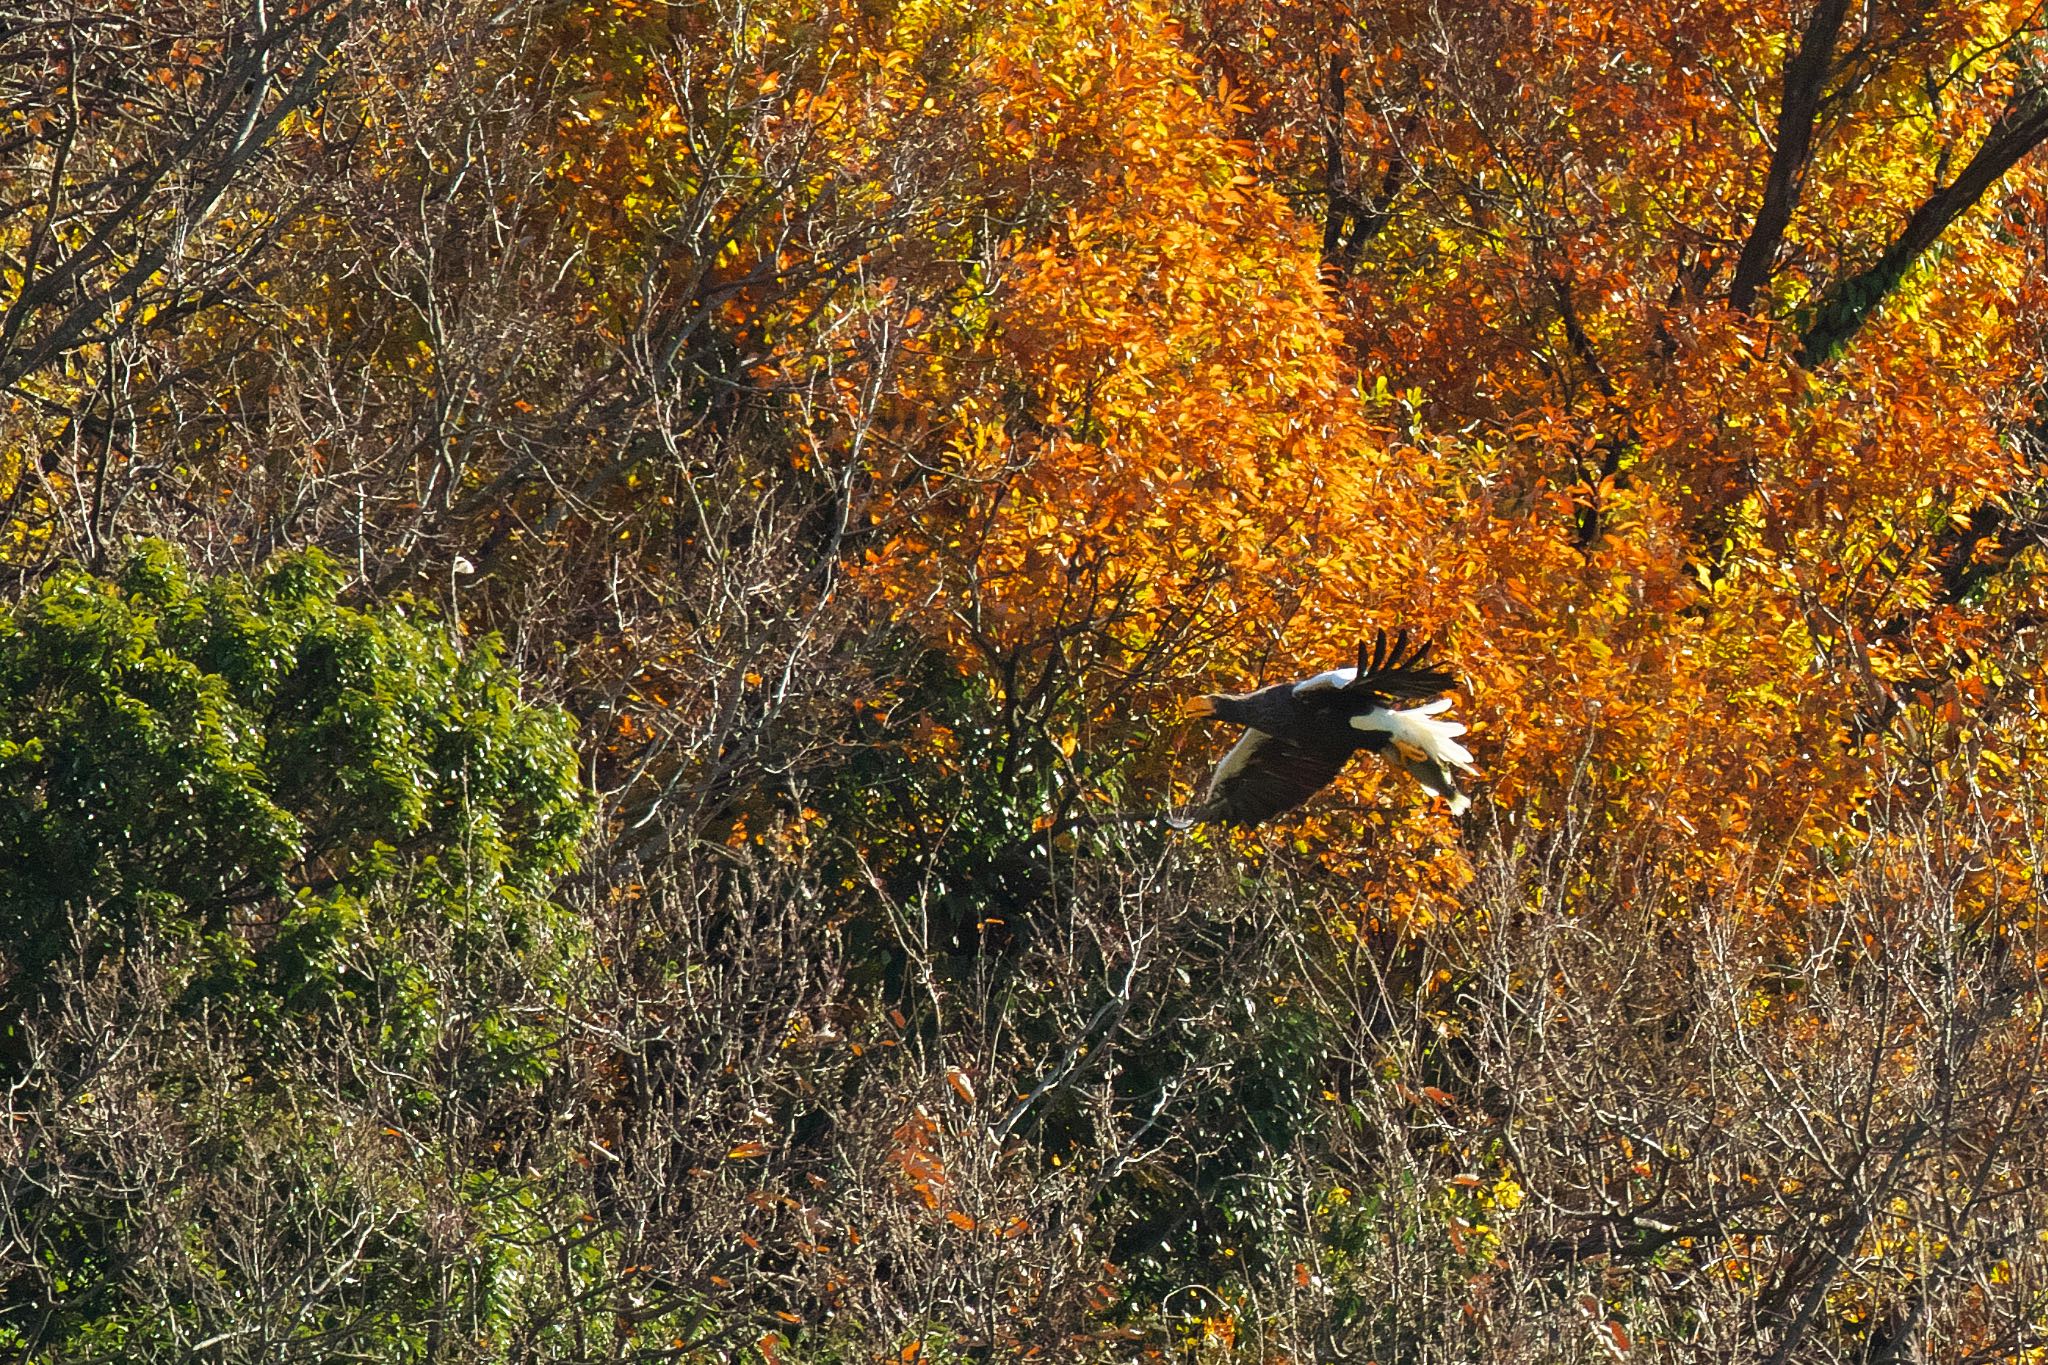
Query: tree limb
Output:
(1805,78)
(2019,129)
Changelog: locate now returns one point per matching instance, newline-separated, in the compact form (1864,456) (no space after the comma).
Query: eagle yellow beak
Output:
(1198,706)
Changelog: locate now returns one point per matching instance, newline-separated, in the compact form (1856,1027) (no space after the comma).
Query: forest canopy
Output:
(587,586)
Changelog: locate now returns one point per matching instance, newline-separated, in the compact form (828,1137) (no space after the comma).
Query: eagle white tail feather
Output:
(1418,730)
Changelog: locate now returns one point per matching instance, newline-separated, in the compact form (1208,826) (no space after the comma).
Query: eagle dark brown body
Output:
(1299,735)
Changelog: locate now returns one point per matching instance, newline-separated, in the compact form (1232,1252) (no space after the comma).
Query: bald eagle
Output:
(1299,735)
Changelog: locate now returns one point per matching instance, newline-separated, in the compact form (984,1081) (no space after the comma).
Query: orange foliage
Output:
(1138,405)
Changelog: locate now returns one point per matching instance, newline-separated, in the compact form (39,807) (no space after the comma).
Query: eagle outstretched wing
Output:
(1262,776)
(1387,672)
(1396,672)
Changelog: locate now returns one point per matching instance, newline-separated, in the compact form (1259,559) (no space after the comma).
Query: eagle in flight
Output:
(1299,735)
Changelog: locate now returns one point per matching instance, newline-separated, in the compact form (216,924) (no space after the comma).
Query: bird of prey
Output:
(1299,735)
